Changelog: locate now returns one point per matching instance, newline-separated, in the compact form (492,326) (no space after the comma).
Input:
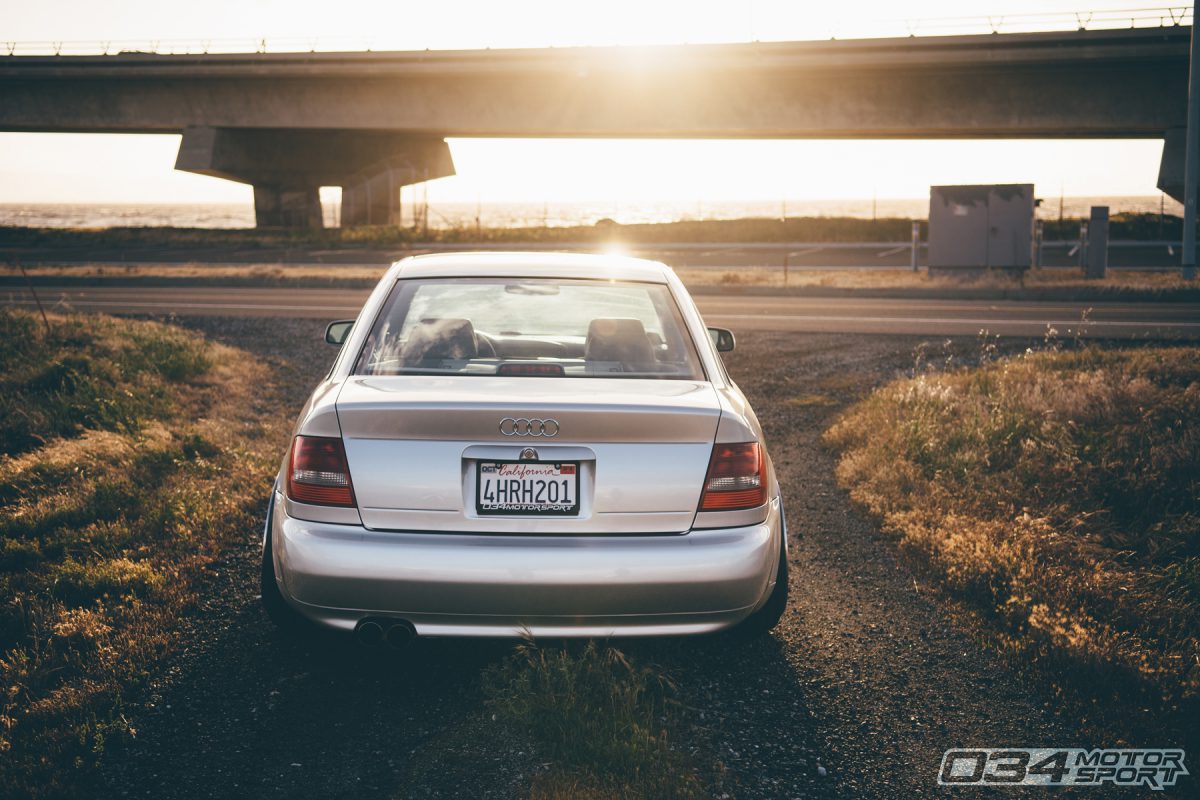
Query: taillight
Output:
(737,478)
(318,473)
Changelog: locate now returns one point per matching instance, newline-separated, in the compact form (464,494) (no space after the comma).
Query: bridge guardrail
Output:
(1104,19)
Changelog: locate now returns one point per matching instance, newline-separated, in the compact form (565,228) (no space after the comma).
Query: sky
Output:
(125,168)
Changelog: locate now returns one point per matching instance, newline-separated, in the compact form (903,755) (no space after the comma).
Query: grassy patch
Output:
(599,719)
(1119,283)
(1052,282)
(812,400)
(95,375)
(129,463)
(203,274)
(1057,493)
(805,229)
(1128,226)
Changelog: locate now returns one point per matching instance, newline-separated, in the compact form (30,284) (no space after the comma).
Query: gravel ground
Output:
(867,679)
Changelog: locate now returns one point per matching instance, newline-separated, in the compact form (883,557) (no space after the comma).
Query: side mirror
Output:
(722,339)
(336,332)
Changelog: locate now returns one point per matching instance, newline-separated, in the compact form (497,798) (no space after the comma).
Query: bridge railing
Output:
(1107,19)
(1033,22)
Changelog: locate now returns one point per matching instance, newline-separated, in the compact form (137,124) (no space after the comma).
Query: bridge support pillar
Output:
(1171,167)
(371,196)
(372,200)
(287,207)
(287,167)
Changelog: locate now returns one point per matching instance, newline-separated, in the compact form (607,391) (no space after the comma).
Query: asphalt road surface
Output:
(1117,320)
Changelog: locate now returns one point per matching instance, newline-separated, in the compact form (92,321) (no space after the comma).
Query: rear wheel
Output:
(762,621)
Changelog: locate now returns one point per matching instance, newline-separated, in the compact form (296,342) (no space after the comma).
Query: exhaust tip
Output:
(399,635)
(369,633)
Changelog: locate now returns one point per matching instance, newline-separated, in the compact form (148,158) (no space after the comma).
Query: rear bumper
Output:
(489,585)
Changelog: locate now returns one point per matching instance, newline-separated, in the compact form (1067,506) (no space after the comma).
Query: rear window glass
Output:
(530,327)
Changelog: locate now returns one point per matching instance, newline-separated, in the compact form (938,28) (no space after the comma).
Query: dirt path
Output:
(865,678)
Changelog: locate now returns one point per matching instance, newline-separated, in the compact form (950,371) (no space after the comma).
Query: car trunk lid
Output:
(414,445)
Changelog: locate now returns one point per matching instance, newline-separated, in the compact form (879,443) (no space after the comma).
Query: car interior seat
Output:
(622,340)
(437,339)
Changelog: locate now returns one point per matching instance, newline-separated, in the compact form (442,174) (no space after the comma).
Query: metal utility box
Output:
(981,227)
(1096,250)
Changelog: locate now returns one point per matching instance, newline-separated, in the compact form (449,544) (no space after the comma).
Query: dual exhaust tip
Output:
(395,634)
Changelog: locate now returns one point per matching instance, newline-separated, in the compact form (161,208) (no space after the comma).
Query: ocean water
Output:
(468,215)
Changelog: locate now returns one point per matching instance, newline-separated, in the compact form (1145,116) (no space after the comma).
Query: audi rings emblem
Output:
(529,427)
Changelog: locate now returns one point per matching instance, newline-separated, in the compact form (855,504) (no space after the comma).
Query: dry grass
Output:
(812,400)
(106,524)
(1136,226)
(794,229)
(263,273)
(1058,493)
(798,277)
(1120,282)
(77,377)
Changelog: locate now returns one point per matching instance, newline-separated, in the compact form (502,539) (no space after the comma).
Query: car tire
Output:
(762,621)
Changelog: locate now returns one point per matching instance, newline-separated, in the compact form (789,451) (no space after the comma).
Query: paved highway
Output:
(741,313)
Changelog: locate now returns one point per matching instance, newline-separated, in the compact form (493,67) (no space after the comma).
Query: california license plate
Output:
(533,488)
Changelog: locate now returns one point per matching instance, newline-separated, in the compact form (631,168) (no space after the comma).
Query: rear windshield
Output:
(530,327)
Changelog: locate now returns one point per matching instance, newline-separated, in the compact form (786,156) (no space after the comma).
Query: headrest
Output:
(440,338)
(622,340)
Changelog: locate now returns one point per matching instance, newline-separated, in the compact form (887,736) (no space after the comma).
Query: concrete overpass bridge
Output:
(371,122)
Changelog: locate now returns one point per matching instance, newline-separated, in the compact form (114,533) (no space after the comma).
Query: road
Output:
(1121,320)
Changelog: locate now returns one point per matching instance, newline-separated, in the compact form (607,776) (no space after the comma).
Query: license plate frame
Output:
(527,509)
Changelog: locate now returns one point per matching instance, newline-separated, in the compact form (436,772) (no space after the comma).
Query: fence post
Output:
(1083,242)
(1097,249)
(916,243)
(1191,160)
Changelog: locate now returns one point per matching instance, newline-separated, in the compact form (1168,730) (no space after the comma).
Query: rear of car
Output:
(527,442)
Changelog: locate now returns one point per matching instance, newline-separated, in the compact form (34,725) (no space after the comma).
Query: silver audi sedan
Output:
(513,443)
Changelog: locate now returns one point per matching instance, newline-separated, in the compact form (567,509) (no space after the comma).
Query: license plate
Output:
(529,488)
